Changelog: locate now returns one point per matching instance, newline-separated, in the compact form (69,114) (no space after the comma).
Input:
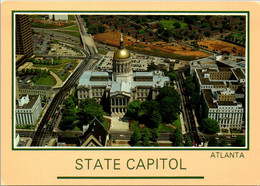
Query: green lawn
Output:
(164,128)
(177,123)
(74,28)
(50,26)
(76,34)
(102,52)
(49,80)
(67,60)
(71,17)
(64,77)
(76,128)
(169,23)
(239,36)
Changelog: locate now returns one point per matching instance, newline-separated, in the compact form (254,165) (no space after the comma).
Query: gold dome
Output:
(122,53)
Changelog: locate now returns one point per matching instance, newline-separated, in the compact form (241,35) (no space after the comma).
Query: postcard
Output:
(129,93)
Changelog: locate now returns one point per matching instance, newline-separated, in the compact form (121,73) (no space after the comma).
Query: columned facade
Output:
(119,104)
(123,86)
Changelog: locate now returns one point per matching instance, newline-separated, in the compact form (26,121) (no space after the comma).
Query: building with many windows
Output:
(28,109)
(222,106)
(23,35)
(44,90)
(122,86)
(221,80)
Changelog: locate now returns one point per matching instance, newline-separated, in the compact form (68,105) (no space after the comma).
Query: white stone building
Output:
(226,110)
(122,86)
(28,109)
(57,17)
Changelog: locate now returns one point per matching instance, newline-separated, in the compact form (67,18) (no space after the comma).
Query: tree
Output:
(167,33)
(176,138)
(101,29)
(239,142)
(189,85)
(172,75)
(149,114)
(188,142)
(169,101)
(223,143)
(69,114)
(136,136)
(177,25)
(195,99)
(213,142)
(152,67)
(67,122)
(160,28)
(146,142)
(133,109)
(209,126)
(146,135)
(88,110)
(92,29)
(154,135)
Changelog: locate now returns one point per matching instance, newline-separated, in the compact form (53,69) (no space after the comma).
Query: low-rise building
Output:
(42,90)
(28,109)
(226,110)
(93,135)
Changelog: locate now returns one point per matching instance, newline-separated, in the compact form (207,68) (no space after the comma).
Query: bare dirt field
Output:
(113,38)
(223,46)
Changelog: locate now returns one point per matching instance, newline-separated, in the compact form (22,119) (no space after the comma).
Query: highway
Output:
(45,130)
(87,40)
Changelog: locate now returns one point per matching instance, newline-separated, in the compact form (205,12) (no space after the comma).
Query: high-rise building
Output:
(23,35)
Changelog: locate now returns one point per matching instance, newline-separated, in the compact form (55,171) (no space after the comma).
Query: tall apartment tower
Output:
(23,35)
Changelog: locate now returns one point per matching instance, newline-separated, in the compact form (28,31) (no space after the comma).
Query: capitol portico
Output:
(123,85)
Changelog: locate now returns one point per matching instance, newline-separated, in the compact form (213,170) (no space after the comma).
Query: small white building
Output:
(28,109)
(57,17)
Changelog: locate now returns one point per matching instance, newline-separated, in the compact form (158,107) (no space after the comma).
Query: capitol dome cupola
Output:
(122,63)
(121,52)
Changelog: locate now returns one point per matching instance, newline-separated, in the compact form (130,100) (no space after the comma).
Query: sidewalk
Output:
(182,124)
(119,125)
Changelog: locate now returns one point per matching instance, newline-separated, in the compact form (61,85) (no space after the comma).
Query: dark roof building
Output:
(94,135)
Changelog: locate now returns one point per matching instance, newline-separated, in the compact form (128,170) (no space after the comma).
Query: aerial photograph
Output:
(130,81)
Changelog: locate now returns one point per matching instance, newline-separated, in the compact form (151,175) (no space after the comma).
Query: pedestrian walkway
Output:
(118,125)
(59,82)
(182,124)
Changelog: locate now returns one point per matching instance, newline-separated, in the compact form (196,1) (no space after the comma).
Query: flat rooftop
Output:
(209,98)
(238,73)
(29,105)
(206,81)
(34,87)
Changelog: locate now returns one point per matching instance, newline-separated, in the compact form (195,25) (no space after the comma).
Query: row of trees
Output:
(207,125)
(33,71)
(144,137)
(75,114)
(239,142)
(56,61)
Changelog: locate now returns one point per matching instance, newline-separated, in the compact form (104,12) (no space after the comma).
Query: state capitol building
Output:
(123,85)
